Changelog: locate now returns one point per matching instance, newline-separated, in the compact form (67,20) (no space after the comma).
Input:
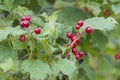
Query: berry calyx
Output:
(74,50)
(107,13)
(24,24)
(117,56)
(69,35)
(80,23)
(37,30)
(22,38)
(88,30)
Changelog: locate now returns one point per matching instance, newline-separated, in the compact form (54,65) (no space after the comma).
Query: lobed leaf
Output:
(37,69)
(10,30)
(116,8)
(7,64)
(100,23)
(7,57)
(65,66)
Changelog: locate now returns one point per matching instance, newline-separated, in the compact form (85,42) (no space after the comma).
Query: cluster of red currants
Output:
(24,23)
(75,40)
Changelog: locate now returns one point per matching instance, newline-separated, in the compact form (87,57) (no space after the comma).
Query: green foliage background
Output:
(56,17)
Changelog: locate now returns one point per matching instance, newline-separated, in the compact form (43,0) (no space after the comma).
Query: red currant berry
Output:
(117,56)
(74,50)
(88,30)
(73,38)
(81,53)
(74,45)
(69,35)
(107,13)
(24,24)
(77,56)
(37,30)
(23,18)
(78,41)
(80,23)
(22,38)
(77,27)
(28,18)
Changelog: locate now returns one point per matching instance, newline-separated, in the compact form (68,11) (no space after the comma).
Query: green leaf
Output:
(17,65)
(105,64)
(5,22)
(65,66)
(20,11)
(63,48)
(99,39)
(17,44)
(42,2)
(46,46)
(2,7)
(9,30)
(75,76)
(2,77)
(89,72)
(100,23)
(116,8)
(7,52)
(95,7)
(114,0)
(92,6)
(17,31)
(7,57)
(37,69)
(65,14)
(4,34)
(37,20)
(7,64)
(8,4)
(50,28)
(61,4)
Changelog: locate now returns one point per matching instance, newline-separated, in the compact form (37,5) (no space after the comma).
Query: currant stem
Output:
(75,40)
